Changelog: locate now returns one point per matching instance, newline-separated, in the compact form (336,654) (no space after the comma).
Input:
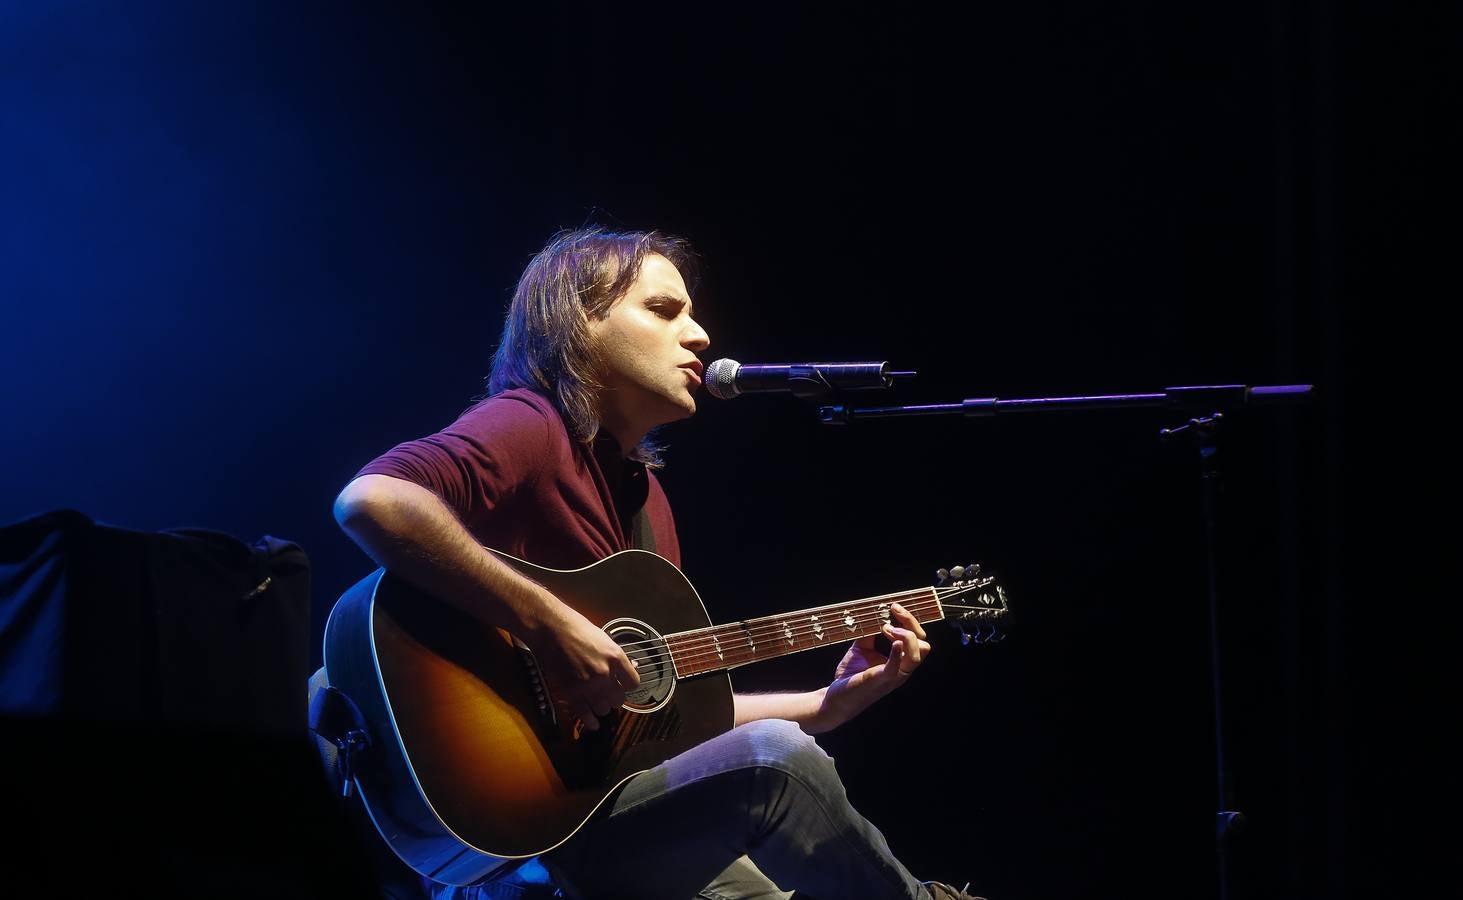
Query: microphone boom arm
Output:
(1197,397)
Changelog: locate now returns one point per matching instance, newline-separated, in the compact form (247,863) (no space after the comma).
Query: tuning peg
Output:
(972,570)
(958,572)
(941,575)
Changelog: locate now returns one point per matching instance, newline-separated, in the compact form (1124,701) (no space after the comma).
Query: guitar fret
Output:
(735,644)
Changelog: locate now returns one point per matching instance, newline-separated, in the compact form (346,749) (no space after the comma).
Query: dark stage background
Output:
(247,248)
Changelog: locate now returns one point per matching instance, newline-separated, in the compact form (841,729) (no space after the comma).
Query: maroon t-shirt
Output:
(520,484)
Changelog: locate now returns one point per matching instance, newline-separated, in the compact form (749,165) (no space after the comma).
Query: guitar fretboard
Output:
(755,640)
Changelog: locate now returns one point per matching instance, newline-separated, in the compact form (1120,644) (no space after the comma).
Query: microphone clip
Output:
(807,382)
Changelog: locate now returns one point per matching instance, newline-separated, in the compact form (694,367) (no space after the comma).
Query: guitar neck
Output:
(754,640)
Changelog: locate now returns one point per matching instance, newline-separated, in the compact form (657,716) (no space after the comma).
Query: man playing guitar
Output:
(557,466)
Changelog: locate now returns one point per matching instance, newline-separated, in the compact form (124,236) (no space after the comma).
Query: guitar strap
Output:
(642,536)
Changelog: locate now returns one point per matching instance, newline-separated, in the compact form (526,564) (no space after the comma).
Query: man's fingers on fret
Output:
(920,647)
(912,648)
(901,636)
(908,620)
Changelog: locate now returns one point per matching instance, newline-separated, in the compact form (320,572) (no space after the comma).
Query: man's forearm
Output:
(407,529)
(806,709)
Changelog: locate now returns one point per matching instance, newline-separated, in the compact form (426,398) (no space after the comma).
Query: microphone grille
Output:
(721,379)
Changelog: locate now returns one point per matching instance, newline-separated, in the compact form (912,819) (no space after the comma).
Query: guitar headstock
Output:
(974,603)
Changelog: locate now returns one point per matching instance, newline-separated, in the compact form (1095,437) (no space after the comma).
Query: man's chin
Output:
(686,405)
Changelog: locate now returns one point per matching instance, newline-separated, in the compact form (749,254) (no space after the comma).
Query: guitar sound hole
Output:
(652,659)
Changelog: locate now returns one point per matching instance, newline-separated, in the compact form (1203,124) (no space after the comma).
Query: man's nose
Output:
(696,338)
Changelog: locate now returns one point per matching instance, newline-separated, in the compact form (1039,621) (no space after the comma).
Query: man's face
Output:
(648,343)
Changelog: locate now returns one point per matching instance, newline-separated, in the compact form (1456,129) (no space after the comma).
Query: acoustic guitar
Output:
(471,765)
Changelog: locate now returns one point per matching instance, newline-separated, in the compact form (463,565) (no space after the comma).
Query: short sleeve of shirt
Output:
(495,450)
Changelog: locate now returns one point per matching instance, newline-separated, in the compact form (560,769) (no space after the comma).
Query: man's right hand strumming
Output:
(585,669)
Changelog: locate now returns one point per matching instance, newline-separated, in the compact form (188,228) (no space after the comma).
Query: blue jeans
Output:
(765,794)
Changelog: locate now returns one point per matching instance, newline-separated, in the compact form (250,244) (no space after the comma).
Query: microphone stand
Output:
(1202,432)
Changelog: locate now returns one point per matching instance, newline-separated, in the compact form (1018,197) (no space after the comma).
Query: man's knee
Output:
(783,746)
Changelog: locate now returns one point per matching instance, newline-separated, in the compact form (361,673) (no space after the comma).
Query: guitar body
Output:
(469,765)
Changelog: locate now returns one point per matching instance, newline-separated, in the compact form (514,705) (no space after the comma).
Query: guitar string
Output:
(701,648)
(688,665)
(864,625)
(685,658)
(679,661)
(688,654)
(696,659)
(703,644)
(704,639)
(768,623)
(773,628)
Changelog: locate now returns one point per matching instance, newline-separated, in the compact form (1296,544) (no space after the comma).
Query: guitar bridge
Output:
(536,684)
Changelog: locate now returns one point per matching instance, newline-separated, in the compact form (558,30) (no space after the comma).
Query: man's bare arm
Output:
(409,530)
(804,709)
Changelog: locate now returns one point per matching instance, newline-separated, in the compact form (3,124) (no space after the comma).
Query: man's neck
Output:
(627,436)
(624,442)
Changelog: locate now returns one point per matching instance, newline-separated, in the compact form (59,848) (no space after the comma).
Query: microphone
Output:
(727,378)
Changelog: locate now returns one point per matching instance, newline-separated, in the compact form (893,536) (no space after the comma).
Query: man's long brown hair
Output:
(546,344)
